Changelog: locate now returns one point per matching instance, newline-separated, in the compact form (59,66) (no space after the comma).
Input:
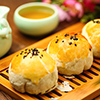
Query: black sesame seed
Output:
(71,37)
(28,52)
(70,43)
(75,33)
(35,52)
(76,39)
(56,36)
(66,91)
(44,49)
(90,49)
(75,44)
(16,55)
(56,41)
(34,49)
(97,22)
(62,40)
(24,56)
(21,53)
(41,55)
(25,49)
(66,35)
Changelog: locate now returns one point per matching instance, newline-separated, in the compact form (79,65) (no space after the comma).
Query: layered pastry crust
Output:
(92,32)
(33,71)
(71,52)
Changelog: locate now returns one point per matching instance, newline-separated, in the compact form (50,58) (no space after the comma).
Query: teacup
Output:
(36,18)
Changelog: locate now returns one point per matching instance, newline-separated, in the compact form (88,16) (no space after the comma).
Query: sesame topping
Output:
(28,52)
(31,52)
(71,37)
(62,40)
(66,34)
(16,55)
(75,44)
(35,52)
(24,56)
(75,38)
(21,52)
(96,21)
(25,52)
(75,33)
(56,36)
(44,49)
(42,55)
(90,49)
(57,41)
(25,49)
(70,43)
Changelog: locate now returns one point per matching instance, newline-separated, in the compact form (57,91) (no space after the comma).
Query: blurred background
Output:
(19,40)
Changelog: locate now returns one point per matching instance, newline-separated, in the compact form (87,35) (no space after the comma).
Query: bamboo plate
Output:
(84,86)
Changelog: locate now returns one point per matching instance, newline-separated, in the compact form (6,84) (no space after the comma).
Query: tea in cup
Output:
(36,18)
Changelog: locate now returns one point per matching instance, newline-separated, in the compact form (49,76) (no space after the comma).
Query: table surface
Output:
(20,40)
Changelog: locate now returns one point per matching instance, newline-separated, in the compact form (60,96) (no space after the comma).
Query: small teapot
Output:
(5,31)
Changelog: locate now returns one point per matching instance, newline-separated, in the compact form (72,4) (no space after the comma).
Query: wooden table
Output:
(20,40)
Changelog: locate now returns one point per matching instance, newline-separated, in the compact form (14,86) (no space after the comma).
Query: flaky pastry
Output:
(33,71)
(71,52)
(92,32)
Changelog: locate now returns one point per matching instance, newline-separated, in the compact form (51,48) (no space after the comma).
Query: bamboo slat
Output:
(84,85)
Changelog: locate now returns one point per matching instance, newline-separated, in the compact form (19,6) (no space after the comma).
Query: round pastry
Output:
(92,32)
(33,71)
(71,52)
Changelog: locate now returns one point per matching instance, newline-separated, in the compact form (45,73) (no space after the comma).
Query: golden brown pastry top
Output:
(93,31)
(70,46)
(33,64)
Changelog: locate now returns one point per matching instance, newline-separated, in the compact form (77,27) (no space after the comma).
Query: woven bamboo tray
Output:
(84,86)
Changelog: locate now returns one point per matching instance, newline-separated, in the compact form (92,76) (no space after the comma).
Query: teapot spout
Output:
(4,11)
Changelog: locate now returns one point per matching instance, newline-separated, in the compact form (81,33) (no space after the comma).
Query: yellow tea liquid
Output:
(36,12)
